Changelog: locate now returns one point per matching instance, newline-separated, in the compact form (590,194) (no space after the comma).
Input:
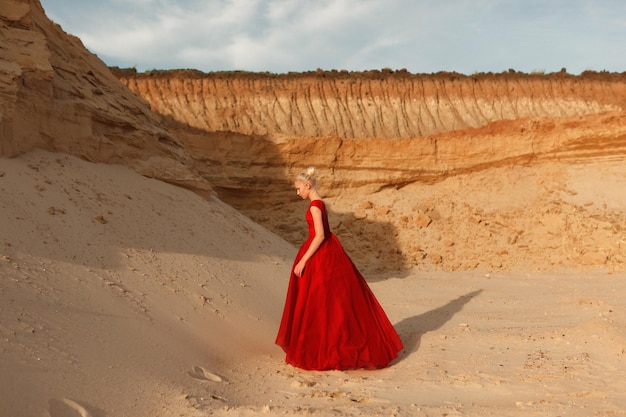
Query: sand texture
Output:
(123,295)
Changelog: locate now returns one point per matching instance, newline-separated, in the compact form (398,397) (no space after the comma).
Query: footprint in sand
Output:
(203,374)
(67,408)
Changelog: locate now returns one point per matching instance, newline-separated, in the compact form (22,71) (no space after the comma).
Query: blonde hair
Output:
(308,175)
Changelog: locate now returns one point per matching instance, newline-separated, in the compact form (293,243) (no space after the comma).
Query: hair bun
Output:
(308,175)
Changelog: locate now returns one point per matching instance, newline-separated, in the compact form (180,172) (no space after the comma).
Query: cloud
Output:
(302,35)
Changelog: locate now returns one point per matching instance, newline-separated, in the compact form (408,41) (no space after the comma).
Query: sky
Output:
(281,36)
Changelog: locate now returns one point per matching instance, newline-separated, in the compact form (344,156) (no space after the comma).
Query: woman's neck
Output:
(314,195)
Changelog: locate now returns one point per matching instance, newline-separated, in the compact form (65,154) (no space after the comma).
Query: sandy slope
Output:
(116,287)
(124,296)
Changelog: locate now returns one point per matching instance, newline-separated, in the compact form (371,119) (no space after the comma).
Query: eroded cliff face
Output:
(412,164)
(383,105)
(381,129)
(56,95)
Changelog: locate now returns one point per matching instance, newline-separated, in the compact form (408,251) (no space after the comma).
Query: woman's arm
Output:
(318,224)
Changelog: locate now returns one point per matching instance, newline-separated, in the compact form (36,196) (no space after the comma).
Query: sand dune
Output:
(117,288)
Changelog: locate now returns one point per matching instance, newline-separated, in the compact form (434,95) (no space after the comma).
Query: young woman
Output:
(331,318)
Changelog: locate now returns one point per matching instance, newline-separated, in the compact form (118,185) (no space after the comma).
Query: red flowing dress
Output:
(331,318)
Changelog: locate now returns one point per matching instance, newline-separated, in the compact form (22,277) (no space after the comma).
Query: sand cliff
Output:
(56,95)
(377,131)
(375,104)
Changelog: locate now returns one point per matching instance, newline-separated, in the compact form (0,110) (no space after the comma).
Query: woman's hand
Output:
(299,268)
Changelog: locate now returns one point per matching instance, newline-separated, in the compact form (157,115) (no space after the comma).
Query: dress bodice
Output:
(309,219)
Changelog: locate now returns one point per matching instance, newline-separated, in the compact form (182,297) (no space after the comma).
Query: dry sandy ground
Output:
(124,296)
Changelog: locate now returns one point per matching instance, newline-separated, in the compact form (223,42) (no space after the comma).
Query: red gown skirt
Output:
(331,318)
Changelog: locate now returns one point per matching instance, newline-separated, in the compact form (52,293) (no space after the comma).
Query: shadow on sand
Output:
(413,328)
